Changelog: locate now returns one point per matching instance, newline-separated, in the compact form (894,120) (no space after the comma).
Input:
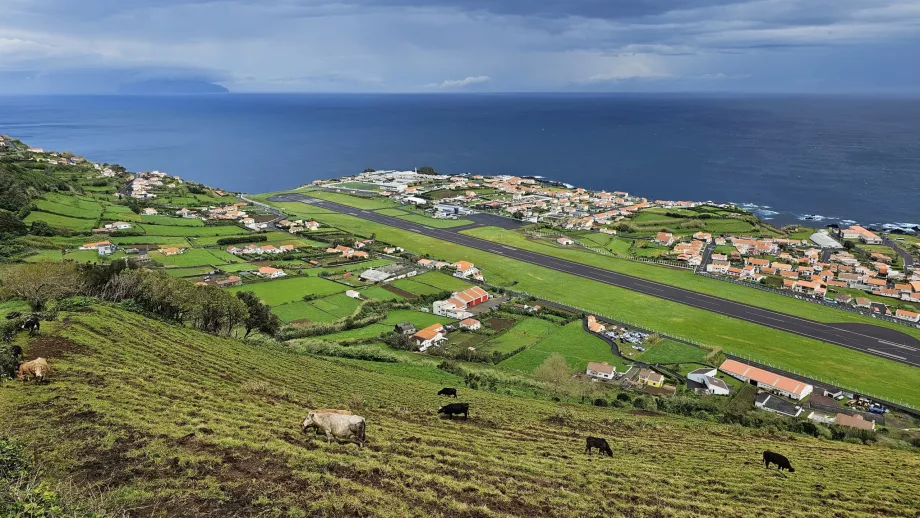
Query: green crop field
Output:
(172,230)
(358,185)
(120,213)
(176,222)
(299,310)
(441,281)
(191,257)
(669,351)
(841,366)
(58,221)
(192,271)
(523,334)
(378,293)
(437,223)
(76,211)
(289,289)
(418,318)
(571,341)
(371,331)
(161,241)
(147,416)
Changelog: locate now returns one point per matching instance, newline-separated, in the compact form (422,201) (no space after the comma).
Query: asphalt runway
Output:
(878,341)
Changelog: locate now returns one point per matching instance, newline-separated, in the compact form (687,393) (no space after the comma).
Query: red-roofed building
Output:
(766,380)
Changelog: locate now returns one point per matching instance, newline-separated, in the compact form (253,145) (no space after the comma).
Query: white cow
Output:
(349,428)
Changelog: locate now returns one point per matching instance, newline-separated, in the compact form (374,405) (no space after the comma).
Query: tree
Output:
(42,228)
(555,372)
(426,169)
(260,315)
(370,170)
(10,224)
(38,283)
(848,245)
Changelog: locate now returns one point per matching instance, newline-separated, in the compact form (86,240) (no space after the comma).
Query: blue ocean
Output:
(829,158)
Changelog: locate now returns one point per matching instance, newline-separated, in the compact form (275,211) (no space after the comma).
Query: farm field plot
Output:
(437,222)
(376,292)
(199,428)
(120,213)
(524,334)
(370,331)
(191,257)
(212,240)
(417,318)
(223,256)
(170,230)
(90,211)
(669,351)
(302,310)
(415,287)
(58,221)
(571,341)
(170,221)
(161,241)
(80,256)
(339,305)
(239,267)
(289,289)
(442,281)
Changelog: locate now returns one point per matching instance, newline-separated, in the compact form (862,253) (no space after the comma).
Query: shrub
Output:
(242,239)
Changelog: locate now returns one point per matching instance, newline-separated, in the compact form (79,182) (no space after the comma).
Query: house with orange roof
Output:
(565,241)
(464,269)
(766,380)
(96,245)
(594,326)
(664,238)
(430,336)
(172,251)
(854,421)
(910,316)
(862,234)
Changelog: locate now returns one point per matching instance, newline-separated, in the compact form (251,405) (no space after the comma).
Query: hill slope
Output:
(169,421)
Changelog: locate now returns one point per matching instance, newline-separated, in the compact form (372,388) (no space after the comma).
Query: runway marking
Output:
(883,353)
(907,347)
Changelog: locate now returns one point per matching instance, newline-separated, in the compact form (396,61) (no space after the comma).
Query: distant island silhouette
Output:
(171,87)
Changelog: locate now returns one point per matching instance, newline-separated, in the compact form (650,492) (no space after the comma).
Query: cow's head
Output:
(308,422)
(791,469)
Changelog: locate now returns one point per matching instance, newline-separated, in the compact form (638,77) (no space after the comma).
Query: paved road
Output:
(707,256)
(867,338)
(908,259)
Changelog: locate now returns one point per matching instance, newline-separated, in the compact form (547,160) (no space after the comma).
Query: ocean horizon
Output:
(830,159)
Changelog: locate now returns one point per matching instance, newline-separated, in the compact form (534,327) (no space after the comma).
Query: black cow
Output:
(456,409)
(447,392)
(14,314)
(780,461)
(32,324)
(600,444)
(16,351)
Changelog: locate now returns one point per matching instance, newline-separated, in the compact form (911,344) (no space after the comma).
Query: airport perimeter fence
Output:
(806,298)
(604,251)
(828,383)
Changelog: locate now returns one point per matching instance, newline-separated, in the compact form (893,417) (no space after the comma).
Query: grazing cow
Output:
(37,368)
(456,409)
(14,314)
(32,324)
(448,392)
(343,427)
(780,461)
(600,444)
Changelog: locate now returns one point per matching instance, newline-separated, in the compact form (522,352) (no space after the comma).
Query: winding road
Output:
(871,339)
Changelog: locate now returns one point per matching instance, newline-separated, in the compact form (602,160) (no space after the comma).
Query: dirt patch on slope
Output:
(397,291)
(53,347)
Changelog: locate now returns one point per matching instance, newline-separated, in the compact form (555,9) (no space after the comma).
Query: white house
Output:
(271,273)
(470,323)
(707,376)
(600,370)
(564,241)
(118,225)
(149,211)
(430,336)
(353,294)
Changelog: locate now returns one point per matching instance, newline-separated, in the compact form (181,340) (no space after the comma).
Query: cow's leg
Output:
(588,450)
(328,437)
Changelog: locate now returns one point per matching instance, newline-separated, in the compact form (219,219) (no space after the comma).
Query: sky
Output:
(773,46)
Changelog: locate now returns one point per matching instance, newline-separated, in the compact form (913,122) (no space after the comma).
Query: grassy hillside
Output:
(167,421)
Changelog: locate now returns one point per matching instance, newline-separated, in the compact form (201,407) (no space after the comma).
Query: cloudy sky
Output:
(464,45)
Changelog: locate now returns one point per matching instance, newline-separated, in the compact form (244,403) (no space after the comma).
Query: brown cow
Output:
(37,368)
